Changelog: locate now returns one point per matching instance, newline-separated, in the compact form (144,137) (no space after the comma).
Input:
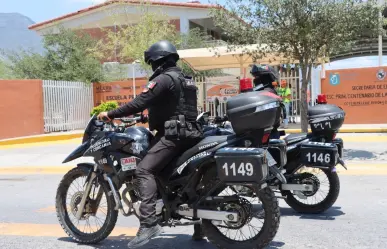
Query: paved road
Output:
(357,220)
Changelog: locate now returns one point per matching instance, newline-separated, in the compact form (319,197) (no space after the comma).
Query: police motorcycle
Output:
(197,188)
(304,157)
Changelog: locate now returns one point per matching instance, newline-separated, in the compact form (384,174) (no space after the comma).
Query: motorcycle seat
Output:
(294,138)
(204,144)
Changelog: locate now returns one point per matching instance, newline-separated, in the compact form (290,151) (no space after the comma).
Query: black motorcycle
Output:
(202,186)
(301,157)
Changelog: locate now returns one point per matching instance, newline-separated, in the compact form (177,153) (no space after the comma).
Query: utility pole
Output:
(380,40)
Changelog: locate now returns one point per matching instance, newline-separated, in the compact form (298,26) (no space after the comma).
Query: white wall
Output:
(102,17)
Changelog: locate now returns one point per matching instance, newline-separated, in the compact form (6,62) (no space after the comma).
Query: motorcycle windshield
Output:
(91,127)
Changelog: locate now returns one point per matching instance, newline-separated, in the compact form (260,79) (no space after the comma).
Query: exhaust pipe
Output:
(184,210)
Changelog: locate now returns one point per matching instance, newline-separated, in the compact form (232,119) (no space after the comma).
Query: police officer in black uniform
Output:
(171,100)
(264,75)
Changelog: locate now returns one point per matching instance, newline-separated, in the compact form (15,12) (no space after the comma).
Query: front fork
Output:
(89,183)
(86,193)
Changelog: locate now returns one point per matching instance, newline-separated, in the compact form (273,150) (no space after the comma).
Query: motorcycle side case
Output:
(236,159)
(319,149)
(278,149)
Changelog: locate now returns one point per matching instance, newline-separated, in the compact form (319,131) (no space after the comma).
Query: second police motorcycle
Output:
(301,157)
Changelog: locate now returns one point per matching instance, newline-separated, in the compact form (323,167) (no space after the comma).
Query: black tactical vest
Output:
(188,104)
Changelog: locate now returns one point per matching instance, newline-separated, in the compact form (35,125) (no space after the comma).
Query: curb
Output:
(344,130)
(40,138)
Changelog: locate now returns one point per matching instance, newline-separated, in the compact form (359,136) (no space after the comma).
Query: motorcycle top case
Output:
(253,111)
(236,164)
(325,117)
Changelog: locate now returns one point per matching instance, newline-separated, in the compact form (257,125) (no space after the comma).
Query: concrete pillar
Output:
(184,25)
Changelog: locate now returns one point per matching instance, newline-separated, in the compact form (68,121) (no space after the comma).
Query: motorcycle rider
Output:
(264,75)
(172,104)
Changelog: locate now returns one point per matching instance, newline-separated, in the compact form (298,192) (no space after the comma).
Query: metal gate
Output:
(215,109)
(292,78)
(67,105)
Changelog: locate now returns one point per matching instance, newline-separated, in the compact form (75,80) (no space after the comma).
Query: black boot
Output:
(144,235)
(198,233)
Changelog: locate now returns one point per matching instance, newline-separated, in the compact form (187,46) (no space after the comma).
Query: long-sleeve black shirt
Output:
(160,97)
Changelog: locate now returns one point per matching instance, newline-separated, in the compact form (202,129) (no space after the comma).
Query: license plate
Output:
(248,169)
(128,163)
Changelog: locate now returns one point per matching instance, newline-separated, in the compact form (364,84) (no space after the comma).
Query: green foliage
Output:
(304,31)
(129,41)
(104,107)
(5,71)
(25,64)
(67,57)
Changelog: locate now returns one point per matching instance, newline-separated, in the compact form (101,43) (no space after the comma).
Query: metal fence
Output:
(67,105)
(215,109)
(292,77)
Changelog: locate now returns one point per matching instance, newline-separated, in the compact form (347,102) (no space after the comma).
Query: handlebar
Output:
(127,122)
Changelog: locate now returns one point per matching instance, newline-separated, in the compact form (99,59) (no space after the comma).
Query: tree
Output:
(127,42)
(25,64)
(5,72)
(304,31)
(67,56)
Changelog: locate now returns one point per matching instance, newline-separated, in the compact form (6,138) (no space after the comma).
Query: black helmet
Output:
(261,70)
(160,50)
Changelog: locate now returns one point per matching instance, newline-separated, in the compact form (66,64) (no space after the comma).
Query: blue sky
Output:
(42,10)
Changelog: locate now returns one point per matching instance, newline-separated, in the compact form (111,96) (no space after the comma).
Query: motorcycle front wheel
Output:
(91,228)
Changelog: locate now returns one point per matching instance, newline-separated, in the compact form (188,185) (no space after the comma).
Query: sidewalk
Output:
(293,128)
(346,128)
(55,136)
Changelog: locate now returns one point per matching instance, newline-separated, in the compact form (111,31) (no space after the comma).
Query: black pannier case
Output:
(240,164)
(319,154)
(253,111)
(325,118)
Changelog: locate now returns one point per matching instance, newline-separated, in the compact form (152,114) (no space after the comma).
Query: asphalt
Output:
(357,220)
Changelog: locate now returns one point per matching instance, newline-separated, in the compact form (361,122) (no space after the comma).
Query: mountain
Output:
(14,33)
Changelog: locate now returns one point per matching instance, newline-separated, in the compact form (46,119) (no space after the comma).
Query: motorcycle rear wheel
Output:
(271,214)
(64,215)
(330,199)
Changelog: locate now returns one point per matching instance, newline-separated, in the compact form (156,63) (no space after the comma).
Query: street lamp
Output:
(134,76)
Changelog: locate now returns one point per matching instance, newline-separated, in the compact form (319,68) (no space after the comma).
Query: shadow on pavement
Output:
(330,214)
(167,241)
(350,154)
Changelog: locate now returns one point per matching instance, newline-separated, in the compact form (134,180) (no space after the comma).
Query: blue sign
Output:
(334,79)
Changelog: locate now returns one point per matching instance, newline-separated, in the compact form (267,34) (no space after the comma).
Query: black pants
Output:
(162,152)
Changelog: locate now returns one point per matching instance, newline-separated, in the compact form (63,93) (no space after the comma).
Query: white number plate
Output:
(128,163)
(241,169)
(318,158)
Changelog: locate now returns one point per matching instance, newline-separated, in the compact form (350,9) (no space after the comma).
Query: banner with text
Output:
(361,92)
(222,92)
(120,91)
